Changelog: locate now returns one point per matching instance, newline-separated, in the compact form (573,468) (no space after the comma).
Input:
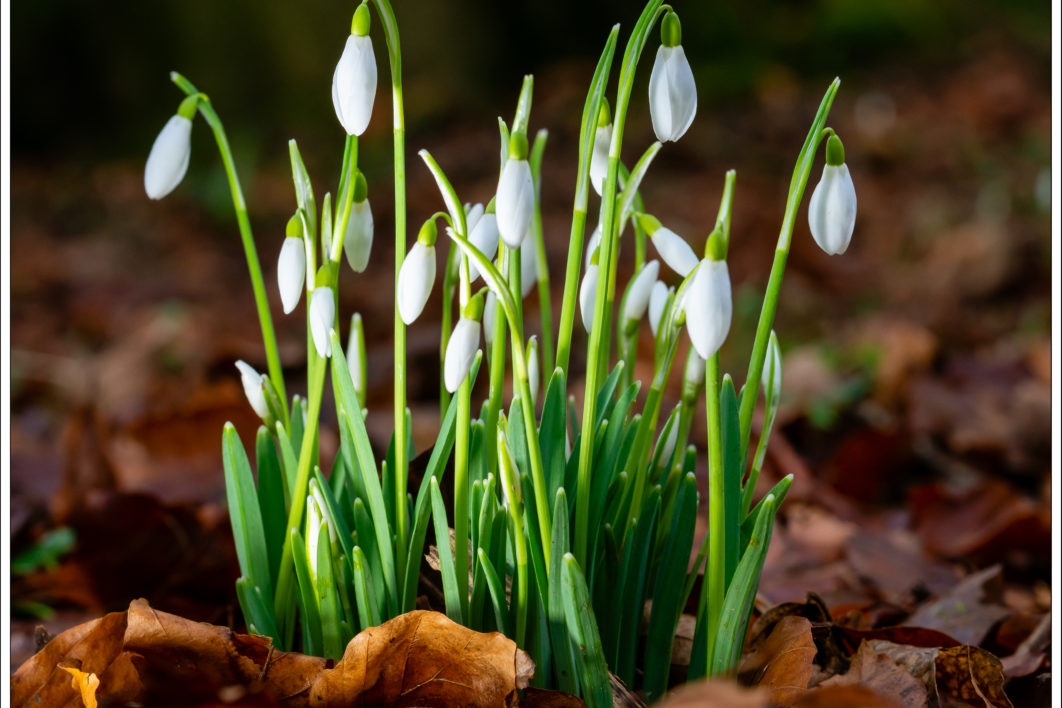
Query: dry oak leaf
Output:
(783,663)
(715,693)
(881,674)
(85,683)
(970,676)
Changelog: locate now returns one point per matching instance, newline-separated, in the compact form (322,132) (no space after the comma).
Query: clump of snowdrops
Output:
(569,518)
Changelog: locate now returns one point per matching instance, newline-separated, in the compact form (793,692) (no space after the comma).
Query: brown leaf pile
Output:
(154,658)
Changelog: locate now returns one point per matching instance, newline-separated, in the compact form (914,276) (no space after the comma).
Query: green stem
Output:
(716,573)
(544,304)
(265,319)
(461,492)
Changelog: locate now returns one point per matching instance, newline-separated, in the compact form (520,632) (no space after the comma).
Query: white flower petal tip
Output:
(489,304)
(639,291)
(484,236)
(528,269)
(657,301)
(357,243)
(672,94)
(291,272)
(587,293)
(168,160)
(515,202)
(252,388)
(592,244)
(599,157)
(354,85)
(709,307)
(460,352)
(415,281)
(322,319)
(832,210)
(533,376)
(674,251)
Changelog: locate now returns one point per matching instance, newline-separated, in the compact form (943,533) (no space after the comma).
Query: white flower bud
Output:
(488,316)
(357,242)
(674,251)
(415,281)
(252,388)
(694,373)
(528,269)
(587,293)
(168,160)
(322,319)
(356,356)
(657,300)
(515,202)
(599,157)
(709,307)
(672,94)
(832,210)
(484,236)
(291,272)
(639,290)
(460,352)
(354,84)
(532,369)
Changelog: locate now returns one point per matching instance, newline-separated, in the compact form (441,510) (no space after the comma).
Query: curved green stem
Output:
(715,576)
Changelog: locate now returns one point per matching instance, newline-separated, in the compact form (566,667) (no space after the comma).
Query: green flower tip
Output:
(490,206)
(671,30)
(648,222)
(474,309)
(604,115)
(428,233)
(294,228)
(360,24)
(361,187)
(518,146)
(188,107)
(834,151)
(715,248)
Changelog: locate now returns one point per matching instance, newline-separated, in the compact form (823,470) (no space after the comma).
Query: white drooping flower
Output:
(657,301)
(483,234)
(488,316)
(291,272)
(252,388)
(694,372)
(170,153)
(514,202)
(587,293)
(674,251)
(415,281)
(709,307)
(672,91)
(528,269)
(354,80)
(356,357)
(832,209)
(322,319)
(533,379)
(460,352)
(357,240)
(599,157)
(639,290)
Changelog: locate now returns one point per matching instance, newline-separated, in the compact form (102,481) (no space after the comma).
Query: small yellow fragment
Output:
(87,683)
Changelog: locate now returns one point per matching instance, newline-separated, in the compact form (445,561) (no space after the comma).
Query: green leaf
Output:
(366,535)
(271,499)
(303,187)
(289,462)
(582,626)
(256,611)
(564,662)
(327,598)
(307,596)
(732,474)
(446,556)
(551,432)
(636,574)
(497,593)
(368,610)
(244,513)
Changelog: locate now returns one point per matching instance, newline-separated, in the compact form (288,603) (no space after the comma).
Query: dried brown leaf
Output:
(969,610)
(970,676)
(715,693)
(846,697)
(783,663)
(880,673)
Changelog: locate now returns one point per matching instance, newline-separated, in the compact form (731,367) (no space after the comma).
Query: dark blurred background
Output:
(918,361)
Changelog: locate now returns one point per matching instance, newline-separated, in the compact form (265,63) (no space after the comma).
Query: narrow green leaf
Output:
(244,513)
(271,499)
(368,610)
(446,556)
(732,473)
(497,593)
(582,627)
(327,598)
(308,605)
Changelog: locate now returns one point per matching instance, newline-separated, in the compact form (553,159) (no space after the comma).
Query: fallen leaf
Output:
(85,683)
(971,676)
(919,662)
(846,697)
(783,663)
(969,610)
(1030,654)
(715,693)
(880,673)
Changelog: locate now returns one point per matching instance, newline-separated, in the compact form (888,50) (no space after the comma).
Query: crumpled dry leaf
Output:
(783,663)
(715,693)
(420,658)
(86,685)
(846,697)
(971,676)
(881,674)
(968,610)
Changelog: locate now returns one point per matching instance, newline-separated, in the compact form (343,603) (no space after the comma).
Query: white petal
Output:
(592,244)
(599,157)
(168,160)
(358,240)
(460,351)
(489,304)
(694,373)
(252,388)
(484,236)
(354,84)
(657,300)
(832,210)
(674,251)
(355,365)
(672,440)
(313,533)
(291,272)
(672,94)
(415,281)
(709,307)
(587,293)
(532,369)
(472,216)
(771,377)
(322,318)
(528,268)
(639,290)
(515,202)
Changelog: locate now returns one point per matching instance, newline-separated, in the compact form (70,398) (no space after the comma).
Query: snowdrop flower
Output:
(354,80)
(461,349)
(168,160)
(532,369)
(672,92)
(515,200)
(638,292)
(252,388)
(771,376)
(709,307)
(832,210)
(693,376)
(673,249)
(587,293)
(322,318)
(417,275)
(483,234)
(291,265)
(356,357)
(357,240)
(657,301)
(592,244)
(488,316)
(602,144)
(528,269)
(670,442)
